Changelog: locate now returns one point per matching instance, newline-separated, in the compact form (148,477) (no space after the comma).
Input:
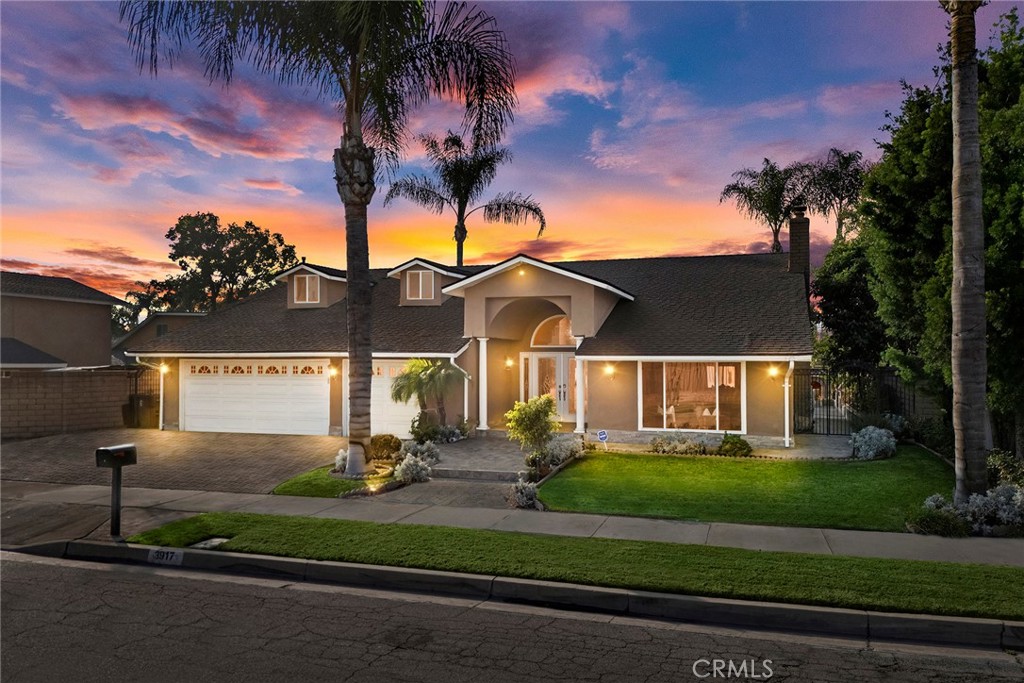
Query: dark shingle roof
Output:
(264,324)
(685,306)
(47,287)
(16,352)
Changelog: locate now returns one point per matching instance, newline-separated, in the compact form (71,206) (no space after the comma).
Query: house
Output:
(156,324)
(634,347)
(50,322)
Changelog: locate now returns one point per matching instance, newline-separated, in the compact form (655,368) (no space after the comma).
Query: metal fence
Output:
(143,408)
(840,401)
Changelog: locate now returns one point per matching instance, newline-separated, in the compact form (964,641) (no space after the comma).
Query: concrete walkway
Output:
(146,508)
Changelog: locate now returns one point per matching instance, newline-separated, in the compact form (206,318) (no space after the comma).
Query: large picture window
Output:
(698,396)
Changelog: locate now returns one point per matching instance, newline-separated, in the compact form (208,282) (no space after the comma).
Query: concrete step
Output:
(475,475)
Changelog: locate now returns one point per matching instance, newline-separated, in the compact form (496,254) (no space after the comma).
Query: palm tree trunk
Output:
(968,297)
(353,167)
(460,237)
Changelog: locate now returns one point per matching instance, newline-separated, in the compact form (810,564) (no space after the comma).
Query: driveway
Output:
(237,463)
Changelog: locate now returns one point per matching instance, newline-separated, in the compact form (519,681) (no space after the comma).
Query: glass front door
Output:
(554,374)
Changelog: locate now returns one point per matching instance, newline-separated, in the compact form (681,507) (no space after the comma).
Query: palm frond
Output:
(419,190)
(514,208)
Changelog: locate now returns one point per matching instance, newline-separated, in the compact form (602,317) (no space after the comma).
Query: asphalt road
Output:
(64,620)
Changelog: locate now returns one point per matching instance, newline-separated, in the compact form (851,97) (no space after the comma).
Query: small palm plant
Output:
(462,175)
(427,378)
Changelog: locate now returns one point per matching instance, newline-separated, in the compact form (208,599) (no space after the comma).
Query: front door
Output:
(551,373)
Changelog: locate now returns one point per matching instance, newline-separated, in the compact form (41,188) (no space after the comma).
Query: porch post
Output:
(787,430)
(482,386)
(581,419)
(161,371)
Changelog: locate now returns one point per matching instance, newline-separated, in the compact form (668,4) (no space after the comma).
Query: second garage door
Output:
(386,416)
(255,396)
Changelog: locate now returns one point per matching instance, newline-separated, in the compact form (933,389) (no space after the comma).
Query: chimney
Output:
(800,242)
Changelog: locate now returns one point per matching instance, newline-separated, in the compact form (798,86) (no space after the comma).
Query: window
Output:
(419,285)
(307,289)
(161,329)
(555,331)
(703,396)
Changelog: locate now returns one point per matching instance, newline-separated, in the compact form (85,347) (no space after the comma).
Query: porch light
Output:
(164,369)
(773,371)
(332,371)
(509,363)
(609,370)
(522,271)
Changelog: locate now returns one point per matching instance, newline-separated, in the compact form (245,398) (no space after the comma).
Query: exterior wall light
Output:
(773,371)
(164,368)
(609,370)
(332,371)
(522,271)
(509,363)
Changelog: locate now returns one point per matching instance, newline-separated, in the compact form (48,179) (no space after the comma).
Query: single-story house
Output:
(52,322)
(633,347)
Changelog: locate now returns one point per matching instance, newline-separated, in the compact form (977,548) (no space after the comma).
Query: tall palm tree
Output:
(835,184)
(462,175)
(377,61)
(424,377)
(968,297)
(768,195)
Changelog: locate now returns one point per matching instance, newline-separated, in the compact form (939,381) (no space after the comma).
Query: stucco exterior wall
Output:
(611,404)
(337,409)
(77,333)
(765,399)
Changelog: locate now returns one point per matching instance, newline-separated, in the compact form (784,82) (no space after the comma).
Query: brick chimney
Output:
(800,242)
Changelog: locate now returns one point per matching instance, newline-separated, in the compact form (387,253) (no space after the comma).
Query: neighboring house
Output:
(52,322)
(635,347)
(156,324)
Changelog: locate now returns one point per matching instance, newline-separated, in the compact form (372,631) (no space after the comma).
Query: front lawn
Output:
(875,495)
(856,583)
(319,483)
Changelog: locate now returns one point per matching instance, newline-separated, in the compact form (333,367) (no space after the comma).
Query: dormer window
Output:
(419,285)
(307,289)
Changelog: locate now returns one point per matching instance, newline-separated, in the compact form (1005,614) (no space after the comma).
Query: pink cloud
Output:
(851,100)
(272,185)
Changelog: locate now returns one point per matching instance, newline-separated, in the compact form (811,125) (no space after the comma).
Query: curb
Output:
(868,625)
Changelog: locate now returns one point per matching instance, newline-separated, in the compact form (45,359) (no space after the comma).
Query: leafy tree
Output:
(462,175)
(377,61)
(219,264)
(768,195)
(970,368)
(834,187)
(846,309)
(424,378)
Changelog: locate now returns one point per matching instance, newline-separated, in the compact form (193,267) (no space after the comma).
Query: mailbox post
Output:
(116,457)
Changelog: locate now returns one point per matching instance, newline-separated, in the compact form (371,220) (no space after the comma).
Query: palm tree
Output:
(768,195)
(424,377)
(835,184)
(377,61)
(461,177)
(968,296)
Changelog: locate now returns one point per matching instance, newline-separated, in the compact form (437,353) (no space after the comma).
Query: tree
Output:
(968,296)
(835,184)
(219,264)
(423,378)
(377,61)
(768,195)
(462,175)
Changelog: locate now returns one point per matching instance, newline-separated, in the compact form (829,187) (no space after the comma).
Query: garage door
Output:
(386,416)
(255,396)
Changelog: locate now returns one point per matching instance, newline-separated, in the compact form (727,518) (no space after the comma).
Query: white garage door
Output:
(254,396)
(386,416)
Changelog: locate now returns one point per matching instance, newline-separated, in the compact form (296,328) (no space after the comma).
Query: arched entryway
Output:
(549,365)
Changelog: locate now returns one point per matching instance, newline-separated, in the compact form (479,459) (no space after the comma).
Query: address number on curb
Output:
(166,556)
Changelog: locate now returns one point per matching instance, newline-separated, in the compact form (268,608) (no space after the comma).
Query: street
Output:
(66,620)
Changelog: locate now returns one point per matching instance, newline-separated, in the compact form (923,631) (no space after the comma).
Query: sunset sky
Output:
(631,119)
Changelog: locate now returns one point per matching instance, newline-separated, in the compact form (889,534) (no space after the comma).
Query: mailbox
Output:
(116,456)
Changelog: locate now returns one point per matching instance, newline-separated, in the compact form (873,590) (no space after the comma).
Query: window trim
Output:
(306,279)
(664,417)
(420,279)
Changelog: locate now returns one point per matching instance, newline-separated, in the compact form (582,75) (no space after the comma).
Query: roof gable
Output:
(322,271)
(429,265)
(49,287)
(523,259)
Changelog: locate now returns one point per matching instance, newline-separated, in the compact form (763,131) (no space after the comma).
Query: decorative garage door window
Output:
(307,370)
(272,369)
(202,370)
(238,370)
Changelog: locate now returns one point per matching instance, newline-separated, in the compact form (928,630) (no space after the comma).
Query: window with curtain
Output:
(700,396)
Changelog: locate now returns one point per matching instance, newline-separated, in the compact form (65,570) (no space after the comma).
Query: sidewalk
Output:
(147,508)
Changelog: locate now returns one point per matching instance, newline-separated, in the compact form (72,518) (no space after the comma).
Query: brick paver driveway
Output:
(238,463)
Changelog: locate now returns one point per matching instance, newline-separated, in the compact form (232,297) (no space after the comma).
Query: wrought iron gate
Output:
(839,402)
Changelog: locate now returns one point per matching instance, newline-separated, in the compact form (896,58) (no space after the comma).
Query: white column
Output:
(481,385)
(581,418)
(161,371)
(785,387)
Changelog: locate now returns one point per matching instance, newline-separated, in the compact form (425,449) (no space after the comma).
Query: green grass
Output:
(875,495)
(319,483)
(857,583)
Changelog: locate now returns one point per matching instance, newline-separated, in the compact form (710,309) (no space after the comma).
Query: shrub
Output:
(735,446)
(412,469)
(938,522)
(532,423)
(426,451)
(448,434)
(522,494)
(425,427)
(1005,468)
(340,460)
(562,448)
(897,424)
(936,435)
(1000,510)
(384,446)
(871,442)
(681,446)
(464,426)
